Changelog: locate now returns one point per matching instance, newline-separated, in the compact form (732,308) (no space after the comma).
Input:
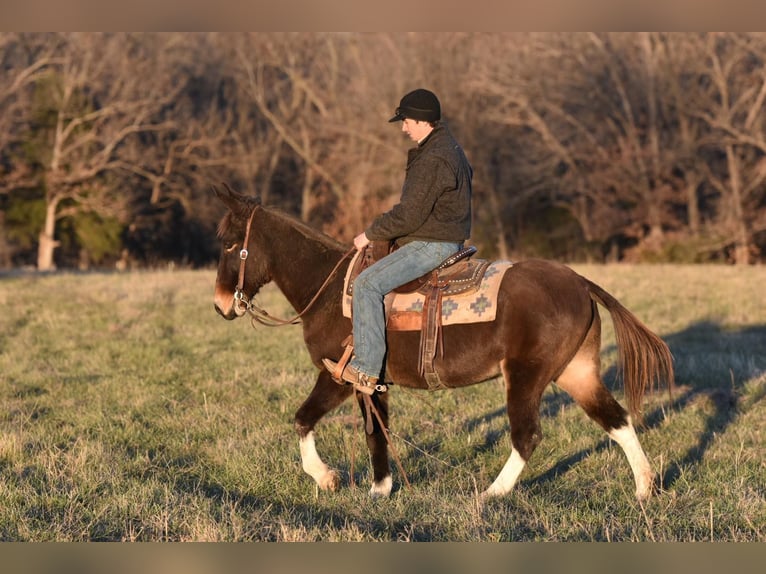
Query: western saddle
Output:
(458,274)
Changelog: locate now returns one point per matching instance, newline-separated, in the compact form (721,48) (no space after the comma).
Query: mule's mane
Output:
(307,231)
(291,221)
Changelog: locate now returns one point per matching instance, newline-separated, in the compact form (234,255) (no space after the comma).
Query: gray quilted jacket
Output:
(435,204)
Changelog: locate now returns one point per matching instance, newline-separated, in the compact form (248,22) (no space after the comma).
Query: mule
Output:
(547,329)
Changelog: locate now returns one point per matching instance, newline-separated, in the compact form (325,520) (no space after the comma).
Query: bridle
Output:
(244,305)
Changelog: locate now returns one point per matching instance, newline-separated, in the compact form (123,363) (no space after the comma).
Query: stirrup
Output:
(348,343)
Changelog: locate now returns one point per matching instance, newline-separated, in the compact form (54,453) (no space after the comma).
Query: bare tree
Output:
(24,59)
(97,97)
(316,107)
(545,142)
(601,132)
(277,71)
(682,62)
(656,138)
(731,102)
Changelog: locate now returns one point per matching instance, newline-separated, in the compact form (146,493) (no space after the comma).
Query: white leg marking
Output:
(507,477)
(381,489)
(325,477)
(639,464)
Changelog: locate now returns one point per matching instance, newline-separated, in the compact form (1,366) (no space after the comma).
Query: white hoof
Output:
(381,489)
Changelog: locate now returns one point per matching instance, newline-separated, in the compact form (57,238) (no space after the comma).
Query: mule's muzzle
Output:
(230,306)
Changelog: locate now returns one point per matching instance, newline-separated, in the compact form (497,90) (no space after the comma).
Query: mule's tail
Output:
(644,358)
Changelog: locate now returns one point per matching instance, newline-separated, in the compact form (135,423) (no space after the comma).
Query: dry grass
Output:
(131,411)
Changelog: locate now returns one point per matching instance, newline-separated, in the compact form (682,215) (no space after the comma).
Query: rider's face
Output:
(416,129)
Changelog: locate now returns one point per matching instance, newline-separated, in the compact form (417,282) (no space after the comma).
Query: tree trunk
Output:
(582,214)
(741,245)
(307,203)
(502,248)
(48,243)
(692,207)
(83,263)
(5,248)
(736,214)
(655,236)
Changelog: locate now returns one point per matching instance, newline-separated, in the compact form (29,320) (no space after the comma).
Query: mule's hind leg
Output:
(581,379)
(325,396)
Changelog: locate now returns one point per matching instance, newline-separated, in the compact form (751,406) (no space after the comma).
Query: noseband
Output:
(244,305)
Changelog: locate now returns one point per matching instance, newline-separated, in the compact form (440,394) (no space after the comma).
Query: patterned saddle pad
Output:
(405,310)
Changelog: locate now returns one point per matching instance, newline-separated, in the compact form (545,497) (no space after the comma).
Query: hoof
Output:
(381,489)
(644,495)
(491,492)
(647,488)
(331,481)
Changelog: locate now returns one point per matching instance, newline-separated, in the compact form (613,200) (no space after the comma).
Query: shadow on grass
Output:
(264,513)
(722,389)
(275,512)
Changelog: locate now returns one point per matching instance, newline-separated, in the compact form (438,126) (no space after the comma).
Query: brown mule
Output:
(547,328)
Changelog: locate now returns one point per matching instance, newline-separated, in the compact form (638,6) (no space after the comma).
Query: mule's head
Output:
(235,255)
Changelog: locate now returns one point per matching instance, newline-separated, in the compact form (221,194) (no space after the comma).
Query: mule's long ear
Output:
(233,193)
(236,202)
(219,193)
(227,195)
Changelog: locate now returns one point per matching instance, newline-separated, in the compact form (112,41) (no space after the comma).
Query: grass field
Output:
(132,411)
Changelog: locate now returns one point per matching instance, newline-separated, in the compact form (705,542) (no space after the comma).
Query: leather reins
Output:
(259,314)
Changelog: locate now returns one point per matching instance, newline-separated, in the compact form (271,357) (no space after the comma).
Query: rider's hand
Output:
(361,241)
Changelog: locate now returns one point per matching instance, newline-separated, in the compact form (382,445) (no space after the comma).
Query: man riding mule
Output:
(546,329)
(545,325)
(430,223)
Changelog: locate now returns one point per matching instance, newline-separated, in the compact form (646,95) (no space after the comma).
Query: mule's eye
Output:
(231,247)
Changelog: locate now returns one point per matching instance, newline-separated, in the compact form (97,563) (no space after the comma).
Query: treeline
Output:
(586,146)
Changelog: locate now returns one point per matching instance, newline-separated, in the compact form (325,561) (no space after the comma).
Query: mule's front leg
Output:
(326,477)
(376,443)
(325,396)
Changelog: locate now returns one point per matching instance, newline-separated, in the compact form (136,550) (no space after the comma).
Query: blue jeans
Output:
(410,261)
